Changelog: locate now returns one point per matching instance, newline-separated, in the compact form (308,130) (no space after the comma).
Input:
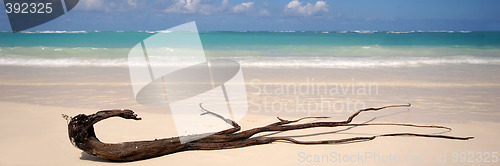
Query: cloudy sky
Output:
(271,15)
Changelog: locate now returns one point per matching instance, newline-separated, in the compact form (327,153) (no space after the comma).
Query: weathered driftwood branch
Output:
(82,135)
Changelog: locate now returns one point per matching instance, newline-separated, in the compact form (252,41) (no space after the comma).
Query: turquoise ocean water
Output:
(339,49)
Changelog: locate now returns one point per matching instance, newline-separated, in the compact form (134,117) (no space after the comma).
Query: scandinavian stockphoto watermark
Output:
(309,96)
(170,69)
(388,157)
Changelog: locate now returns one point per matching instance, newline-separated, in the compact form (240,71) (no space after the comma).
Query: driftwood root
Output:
(82,135)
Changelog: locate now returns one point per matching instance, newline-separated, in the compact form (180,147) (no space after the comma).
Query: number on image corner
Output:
(25,8)
(48,9)
(40,8)
(479,157)
(17,7)
(32,6)
(484,157)
(8,7)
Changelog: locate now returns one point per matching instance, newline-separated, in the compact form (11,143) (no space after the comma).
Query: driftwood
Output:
(82,135)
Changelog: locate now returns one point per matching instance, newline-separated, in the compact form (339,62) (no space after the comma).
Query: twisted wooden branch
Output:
(82,135)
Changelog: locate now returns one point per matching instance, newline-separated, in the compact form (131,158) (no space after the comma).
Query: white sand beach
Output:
(37,135)
(34,133)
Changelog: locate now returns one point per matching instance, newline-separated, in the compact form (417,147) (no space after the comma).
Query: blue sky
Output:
(271,15)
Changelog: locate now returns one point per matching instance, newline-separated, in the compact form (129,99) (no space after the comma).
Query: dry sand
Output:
(37,135)
(463,97)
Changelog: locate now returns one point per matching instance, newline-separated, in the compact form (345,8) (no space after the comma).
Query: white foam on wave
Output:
(53,32)
(363,62)
(364,31)
(263,62)
(61,62)
(284,31)
(400,32)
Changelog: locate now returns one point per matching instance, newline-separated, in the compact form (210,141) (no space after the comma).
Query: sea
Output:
(294,49)
(451,74)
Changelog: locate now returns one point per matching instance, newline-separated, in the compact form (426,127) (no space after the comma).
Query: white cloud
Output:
(196,6)
(264,12)
(132,3)
(243,7)
(203,7)
(90,5)
(295,8)
(109,5)
(207,7)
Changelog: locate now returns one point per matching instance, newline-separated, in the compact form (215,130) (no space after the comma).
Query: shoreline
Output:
(448,90)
